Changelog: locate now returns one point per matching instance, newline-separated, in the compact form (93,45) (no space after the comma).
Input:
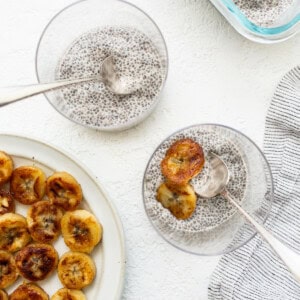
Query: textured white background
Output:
(215,75)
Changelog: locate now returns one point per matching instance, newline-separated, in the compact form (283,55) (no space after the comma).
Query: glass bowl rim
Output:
(111,128)
(271,187)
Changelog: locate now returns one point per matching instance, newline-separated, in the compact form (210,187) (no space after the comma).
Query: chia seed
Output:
(92,104)
(263,12)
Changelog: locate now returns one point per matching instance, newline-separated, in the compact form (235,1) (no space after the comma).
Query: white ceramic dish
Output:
(109,256)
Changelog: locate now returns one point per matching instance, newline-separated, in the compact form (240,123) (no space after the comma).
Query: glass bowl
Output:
(215,227)
(275,25)
(74,44)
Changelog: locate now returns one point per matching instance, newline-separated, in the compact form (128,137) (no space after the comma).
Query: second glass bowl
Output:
(215,227)
(74,44)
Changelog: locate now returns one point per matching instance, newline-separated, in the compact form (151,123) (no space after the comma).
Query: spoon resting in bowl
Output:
(115,83)
(216,185)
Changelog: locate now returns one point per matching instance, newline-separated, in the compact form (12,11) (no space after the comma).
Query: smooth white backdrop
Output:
(215,75)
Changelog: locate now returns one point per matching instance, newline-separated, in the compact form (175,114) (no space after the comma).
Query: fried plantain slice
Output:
(183,161)
(30,291)
(27,184)
(64,191)
(6,167)
(36,261)
(179,200)
(7,203)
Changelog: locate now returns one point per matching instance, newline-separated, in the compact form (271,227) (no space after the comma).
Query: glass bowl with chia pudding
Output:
(75,43)
(215,226)
(265,21)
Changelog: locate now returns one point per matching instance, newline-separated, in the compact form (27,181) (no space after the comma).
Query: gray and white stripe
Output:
(254,272)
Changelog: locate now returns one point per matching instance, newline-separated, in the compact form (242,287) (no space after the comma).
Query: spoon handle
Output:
(290,258)
(31,90)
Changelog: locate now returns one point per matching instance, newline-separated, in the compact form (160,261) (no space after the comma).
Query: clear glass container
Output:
(216,227)
(260,21)
(80,19)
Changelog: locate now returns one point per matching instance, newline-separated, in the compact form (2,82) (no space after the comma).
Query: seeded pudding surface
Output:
(263,12)
(136,60)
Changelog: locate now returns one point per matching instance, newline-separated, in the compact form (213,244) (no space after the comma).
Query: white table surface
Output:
(215,75)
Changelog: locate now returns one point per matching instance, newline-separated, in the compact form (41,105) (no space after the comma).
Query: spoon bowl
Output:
(217,179)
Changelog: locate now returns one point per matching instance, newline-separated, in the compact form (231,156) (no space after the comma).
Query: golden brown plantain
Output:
(6,167)
(27,184)
(14,234)
(29,291)
(68,294)
(179,200)
(76,270)
(8,269)
(81,230)
(43,220)
(7,203)
(183,161)
(64,191)
(36,261)
(3,295)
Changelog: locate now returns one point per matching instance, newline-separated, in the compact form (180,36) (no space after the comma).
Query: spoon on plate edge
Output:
(107,75)
(216,185)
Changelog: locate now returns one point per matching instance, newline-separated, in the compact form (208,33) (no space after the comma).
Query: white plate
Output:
(109,257)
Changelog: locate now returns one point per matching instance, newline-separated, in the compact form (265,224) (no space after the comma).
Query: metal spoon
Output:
(107,75)
(216,185)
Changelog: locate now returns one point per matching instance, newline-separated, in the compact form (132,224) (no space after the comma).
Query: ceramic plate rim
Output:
(117,289)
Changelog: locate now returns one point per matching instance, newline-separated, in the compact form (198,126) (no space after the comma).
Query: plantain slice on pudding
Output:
(27,184)
(183,161)
(179,200)
(64,191)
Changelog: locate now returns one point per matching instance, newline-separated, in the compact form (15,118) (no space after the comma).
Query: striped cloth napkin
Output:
(254,272)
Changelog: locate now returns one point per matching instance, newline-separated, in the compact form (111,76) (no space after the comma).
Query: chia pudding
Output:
(135,57)
(263,12)
(209,213)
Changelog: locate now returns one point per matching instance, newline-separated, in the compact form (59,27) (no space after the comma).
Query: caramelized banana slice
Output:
(7,203)
(63,190)
(13,232)
(36,261)
(3,295)
(8,269)
(27,184)
(29,291)
(6,167)
(68,294)
(179,200)
(183,161)
(43,220)
(81,230)
(76,270)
